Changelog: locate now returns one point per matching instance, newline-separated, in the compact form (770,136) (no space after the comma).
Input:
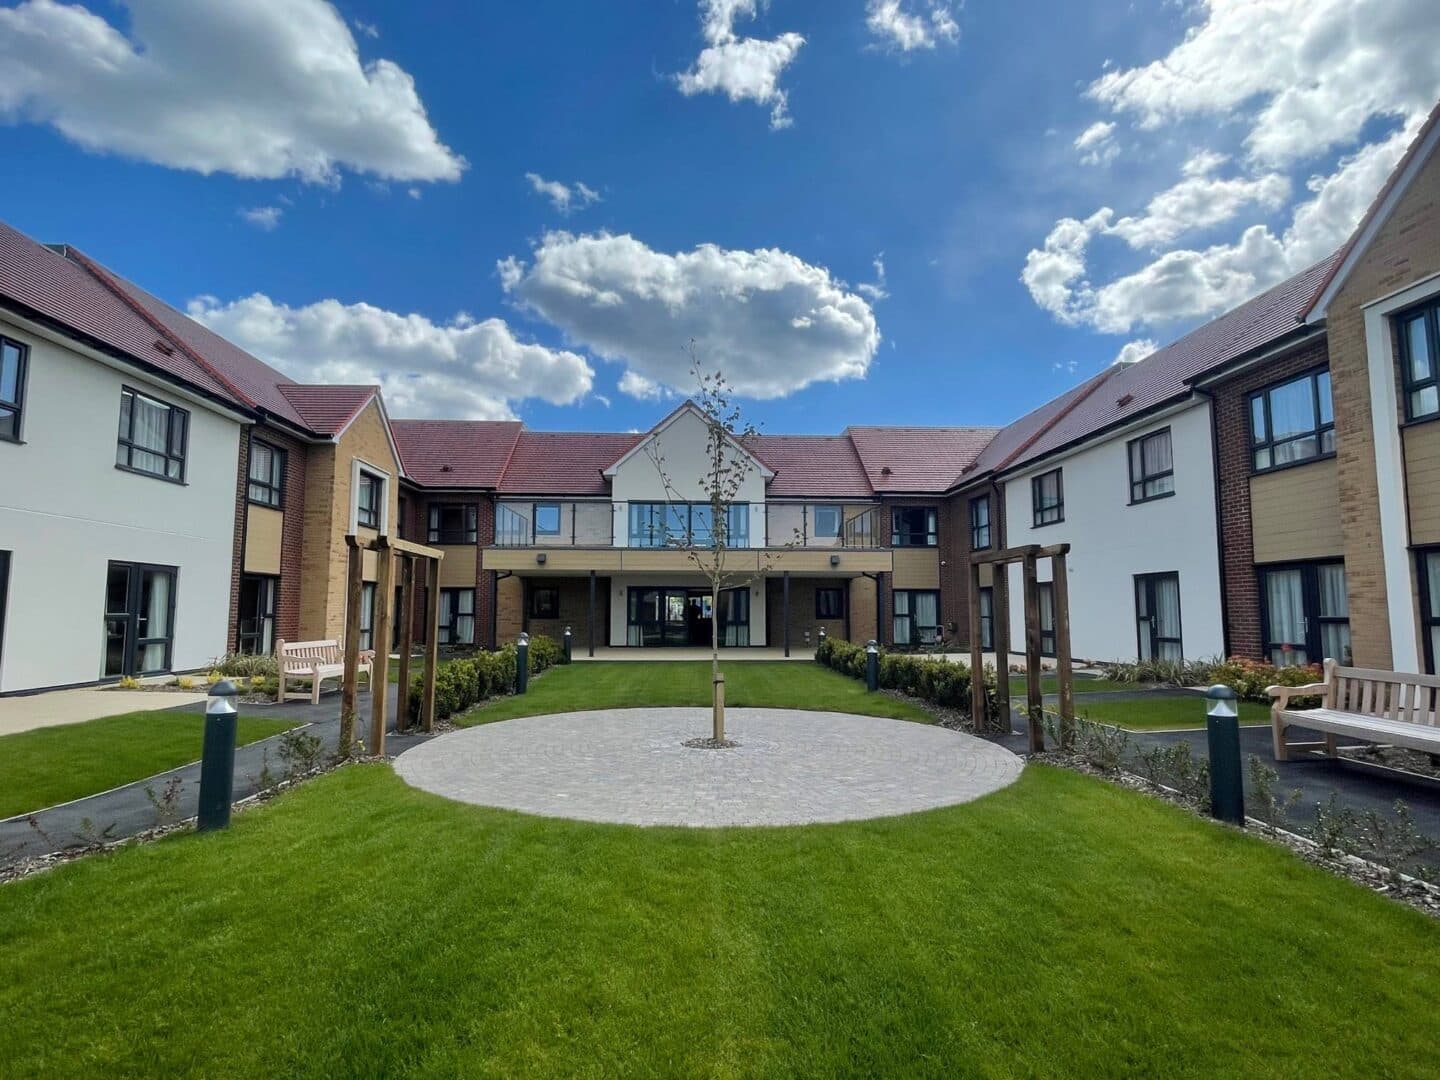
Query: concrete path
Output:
(631,766)
(126,811)
(25,712)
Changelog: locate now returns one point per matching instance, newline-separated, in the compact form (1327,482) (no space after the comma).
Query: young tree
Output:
(728,465)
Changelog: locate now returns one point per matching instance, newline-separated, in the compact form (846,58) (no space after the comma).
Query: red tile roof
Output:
(917,460)
(455,453)
(812,465)
(64,291)
(564,462)
(325,409)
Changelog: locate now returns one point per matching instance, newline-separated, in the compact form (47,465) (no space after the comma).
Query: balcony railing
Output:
(672,525)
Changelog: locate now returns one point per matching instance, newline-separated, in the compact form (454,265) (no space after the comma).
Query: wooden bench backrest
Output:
(303,654)
(1393,695)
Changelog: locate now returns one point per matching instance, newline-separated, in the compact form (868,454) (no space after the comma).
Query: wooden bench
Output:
(1363,704)
(316,661)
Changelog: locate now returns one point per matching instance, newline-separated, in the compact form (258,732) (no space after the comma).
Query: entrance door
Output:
(139,619)
(673,615)
(1157,616)
(1307,614)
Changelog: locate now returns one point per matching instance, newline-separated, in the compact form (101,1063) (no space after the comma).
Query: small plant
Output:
(245,665)
(167,803)
(213,676)
(1101,746)
(90,837)
(185,682)
(300,751)
(257,682)
(1265,802)
(1393,843)
(129,682)
(266,780)
(1335,827)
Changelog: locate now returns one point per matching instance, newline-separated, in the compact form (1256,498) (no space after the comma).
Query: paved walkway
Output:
(630,766)
(25,712)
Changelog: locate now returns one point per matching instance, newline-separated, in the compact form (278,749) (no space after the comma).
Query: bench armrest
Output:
(1283,694)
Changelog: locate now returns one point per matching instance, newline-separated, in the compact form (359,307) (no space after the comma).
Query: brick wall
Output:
(802,611)
(574,604)
(287,614)
(1243,632)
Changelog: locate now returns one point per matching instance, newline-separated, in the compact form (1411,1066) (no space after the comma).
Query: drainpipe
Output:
(1219,522)
(244,493)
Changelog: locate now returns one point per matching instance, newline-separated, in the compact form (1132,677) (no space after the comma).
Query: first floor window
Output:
(267,474)
(457,617)
(914,526)
(12,387)
(987,617)
(453,523)
(1047,498)
(980,523)
(368,500)
(1307,613)
(917,616)
(1292,422)
(547,519)
(258,596)
(367,615)
(1152,468)
(1157,616)
(825,522)
(545,602)
(153,436)
(647,525)
(829,603)
(1419,334)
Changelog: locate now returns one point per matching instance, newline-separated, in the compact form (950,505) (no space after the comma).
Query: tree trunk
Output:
(717,702)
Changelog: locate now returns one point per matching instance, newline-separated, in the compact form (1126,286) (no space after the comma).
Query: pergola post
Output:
(590,617)
(785,609)
(1060,576)
(1000,635)
(406,615)
(1034,703)
(349,683)
(977,654)
(432,645)
(380,634)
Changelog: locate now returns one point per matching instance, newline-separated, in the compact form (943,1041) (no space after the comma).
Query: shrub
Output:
(1249,678)
(545,652)
(246,665)
(1163,672)
(937,681)
(461,684)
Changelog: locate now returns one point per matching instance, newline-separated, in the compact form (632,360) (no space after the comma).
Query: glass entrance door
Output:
(1157,616)
(1307,613)
(139,619)
(672,615)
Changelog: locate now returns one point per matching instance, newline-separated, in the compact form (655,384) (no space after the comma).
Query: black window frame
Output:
(549,610)
(1047,636)
(985,527)
(824,611)
(437,532)
(125,439)
(367,625)
(1270,443)
(5,560)
(261,618)
(906,537)
(446,630)
(271,489)
(916,640)
(987,619)
(1429,605)
(837,510)
(15,407)
(1314,643)
(132,641)
(559,518)
(369,517)
(1145,590)
(1038,507)
(1139,482)
(1429,313)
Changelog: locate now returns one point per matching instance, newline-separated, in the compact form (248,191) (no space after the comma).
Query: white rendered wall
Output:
(66,511)
(620,585)
(1112,541)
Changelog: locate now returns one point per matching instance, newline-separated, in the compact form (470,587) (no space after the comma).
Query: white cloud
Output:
(563,197)
(1097,144)
(743,69)
(464,368)
(638,386)
(263,217)
(263,89)
(770,321)
(370,30)
(906,30)
(1199,202)
(1319,70)
(876,289)
(1132,351)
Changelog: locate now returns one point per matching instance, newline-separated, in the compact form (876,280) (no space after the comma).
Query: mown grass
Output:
(1157,713)
(1083,684)
(624,684)
(1060,927)
(53,765)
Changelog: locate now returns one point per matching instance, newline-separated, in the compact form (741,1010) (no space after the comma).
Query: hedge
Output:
(937,681)
(461,684)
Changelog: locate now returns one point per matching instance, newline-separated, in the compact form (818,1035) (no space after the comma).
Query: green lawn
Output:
(54,765)
(621,684)
(1049,684)
(1157,713)
(1061,927)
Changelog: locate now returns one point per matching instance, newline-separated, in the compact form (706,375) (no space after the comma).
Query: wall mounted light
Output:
(540,558)
(834,560)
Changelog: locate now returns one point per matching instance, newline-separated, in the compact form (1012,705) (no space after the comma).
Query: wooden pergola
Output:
(1028,557)
(419,566)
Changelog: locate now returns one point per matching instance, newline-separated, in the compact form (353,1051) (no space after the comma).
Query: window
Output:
(457,617)
(139,618)
(368,499)
(913,526)
(987,617)
(12,387)
(647,525)
(1047,498)
(1429,604)
(1306,613)
(367,615)
(1157,616)
(453,523)
(402,517)
(917,616)
(257,614)
(545,602)
(1292,422)
(152,436)
(1419,333)
(829,603)
(1046,594)
(547,519)
(665,524)
(980,523)
(4,595)
(267,474)
(826,522)
(1152,467)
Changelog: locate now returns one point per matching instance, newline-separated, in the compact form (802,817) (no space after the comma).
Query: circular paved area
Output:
(628,766)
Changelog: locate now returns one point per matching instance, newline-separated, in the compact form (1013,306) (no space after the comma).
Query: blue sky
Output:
(318,212)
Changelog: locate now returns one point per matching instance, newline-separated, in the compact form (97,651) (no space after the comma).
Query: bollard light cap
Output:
(221,699)
(1220,692)
(871,646)
(524,638)
(1222,704)
(567,631)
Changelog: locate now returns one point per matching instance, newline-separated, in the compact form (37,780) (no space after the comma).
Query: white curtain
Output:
(1285,600)
(149,424)
(927,616)
(1167,617)
(1334,604)
(464,617)
(157,621)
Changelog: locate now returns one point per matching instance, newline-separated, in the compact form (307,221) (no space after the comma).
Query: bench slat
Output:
(1423,737)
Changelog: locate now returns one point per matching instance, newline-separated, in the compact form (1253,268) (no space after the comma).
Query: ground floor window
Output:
(675,615)
(1046,594)
(457,617)
(829,602)
(987,617)
(4,596)
(367,615)
(1306,613)
(917,616)
(1429,605)
(544,602)
(258,600)
(139,618)
(1157,616)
